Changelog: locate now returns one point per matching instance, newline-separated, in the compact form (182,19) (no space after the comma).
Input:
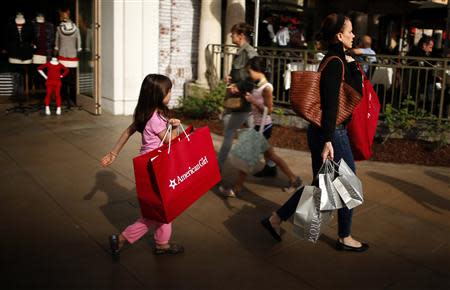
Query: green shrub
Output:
(415,124)
(281,115)
(208,107)
(437,132)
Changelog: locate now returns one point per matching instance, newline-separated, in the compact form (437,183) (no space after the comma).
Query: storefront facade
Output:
(143,37)
(123,41)
(119,43)
(169,37)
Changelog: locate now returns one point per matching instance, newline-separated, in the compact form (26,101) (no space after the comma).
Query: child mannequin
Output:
(53,82)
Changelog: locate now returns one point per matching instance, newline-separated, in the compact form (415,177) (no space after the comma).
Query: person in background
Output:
(262,97)
(424,47)
(267,35)
(283,36)
(426,79)
(237,82)
(365,53)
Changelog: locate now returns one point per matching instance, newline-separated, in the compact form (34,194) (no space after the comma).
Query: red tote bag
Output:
(363,125)
(169,179)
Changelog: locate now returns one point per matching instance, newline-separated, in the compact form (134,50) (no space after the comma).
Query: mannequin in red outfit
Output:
(53,82)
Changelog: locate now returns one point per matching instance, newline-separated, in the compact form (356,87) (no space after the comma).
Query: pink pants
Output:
(135,231)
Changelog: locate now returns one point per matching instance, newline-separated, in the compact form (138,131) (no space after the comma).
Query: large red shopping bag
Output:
(148,194)
(169,179)
(363,125)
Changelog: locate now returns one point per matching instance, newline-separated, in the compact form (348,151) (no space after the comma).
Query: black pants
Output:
(69,88)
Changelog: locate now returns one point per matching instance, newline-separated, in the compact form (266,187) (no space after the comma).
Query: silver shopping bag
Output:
(329,198)
(308,218)
(348,186)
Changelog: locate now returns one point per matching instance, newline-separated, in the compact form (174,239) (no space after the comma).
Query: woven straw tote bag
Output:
(305,95)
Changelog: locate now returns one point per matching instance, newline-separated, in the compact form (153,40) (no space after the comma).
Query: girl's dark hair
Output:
(259,64)
(153,90)
(331,25)
(244,28)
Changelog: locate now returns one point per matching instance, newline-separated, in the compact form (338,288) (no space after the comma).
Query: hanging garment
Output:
(44,34)
(19,41)
(68,43)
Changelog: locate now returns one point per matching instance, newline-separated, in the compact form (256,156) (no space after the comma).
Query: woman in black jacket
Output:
(329,140)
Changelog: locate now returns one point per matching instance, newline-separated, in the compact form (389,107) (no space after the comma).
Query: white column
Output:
(210,33)
(235,14)
(130,49)
(108,84)
(132,54)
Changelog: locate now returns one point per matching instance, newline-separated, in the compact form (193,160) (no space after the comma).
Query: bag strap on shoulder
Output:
(362,72)
(327,60)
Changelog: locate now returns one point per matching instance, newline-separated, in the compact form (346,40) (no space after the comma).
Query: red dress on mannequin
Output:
(53,82)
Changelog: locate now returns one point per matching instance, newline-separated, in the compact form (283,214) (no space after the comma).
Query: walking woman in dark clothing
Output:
(329,140)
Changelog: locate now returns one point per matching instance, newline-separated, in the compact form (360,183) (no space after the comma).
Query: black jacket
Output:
(330,83)
(19,45)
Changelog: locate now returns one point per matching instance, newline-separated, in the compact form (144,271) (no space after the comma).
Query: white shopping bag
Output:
(329,199)
(309,219)
(348,186)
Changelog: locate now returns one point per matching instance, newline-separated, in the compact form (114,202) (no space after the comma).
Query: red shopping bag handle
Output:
(362,72)
(184,131)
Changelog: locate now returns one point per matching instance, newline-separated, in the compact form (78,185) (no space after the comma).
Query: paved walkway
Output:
(58,206)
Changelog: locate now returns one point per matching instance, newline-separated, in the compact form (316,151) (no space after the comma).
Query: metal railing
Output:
(425,80)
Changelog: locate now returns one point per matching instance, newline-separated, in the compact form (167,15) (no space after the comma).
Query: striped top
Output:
(259,99)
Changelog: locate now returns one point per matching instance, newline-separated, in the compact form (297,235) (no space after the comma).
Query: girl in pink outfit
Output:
(150,120)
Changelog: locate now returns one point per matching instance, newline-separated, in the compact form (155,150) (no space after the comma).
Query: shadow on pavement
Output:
(420,194)
(225,201)
(328,240)
(119,210)
(438,176)
(245,224)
